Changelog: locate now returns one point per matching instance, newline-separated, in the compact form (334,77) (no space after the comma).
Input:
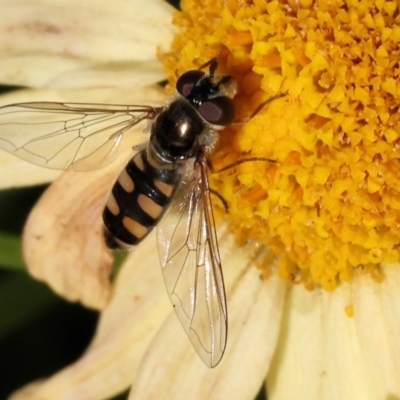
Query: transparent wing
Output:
(59,135)
(191,266)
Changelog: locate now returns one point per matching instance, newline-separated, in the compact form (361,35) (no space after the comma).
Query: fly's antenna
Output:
(260,107)
(264,103)
(213,63)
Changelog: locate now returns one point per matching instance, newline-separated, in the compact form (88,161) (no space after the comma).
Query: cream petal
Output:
(320,354)
(74,35)
(64,73)
(172,367)
(118,75)
(298,368)
(138,305)
(15,172)
(377,324)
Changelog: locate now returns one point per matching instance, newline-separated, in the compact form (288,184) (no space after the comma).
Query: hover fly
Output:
(164,184)
(167,178)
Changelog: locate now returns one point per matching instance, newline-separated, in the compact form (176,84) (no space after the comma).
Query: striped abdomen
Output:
(138,200)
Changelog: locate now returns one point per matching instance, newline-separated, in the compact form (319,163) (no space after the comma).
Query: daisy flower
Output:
(312,288)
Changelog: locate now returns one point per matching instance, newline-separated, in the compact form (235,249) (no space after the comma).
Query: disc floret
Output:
(330,205)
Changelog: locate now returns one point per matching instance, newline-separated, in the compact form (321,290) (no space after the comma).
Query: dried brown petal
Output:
(63,241)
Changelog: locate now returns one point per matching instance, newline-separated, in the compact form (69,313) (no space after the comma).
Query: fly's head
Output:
(211,95)
(187,125)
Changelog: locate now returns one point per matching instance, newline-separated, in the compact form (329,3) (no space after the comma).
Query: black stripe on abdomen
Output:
(138,200)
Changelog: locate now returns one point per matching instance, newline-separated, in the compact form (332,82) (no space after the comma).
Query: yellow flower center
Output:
(330,204)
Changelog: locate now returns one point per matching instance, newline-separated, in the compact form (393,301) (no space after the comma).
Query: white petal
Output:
(324,354)
(76,35)
(119,75)
(173,368)
(377,319)
(61,73)
(138,305)
(15,172)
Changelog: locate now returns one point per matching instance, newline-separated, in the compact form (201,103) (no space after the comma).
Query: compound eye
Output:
(218,111)
(186,82)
